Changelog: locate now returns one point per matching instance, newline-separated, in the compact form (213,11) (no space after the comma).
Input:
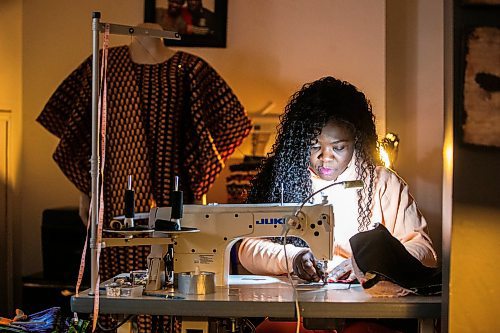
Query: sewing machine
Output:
(213,229)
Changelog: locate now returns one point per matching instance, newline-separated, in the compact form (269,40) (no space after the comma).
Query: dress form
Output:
(149,50)
(143,50)
(151,107)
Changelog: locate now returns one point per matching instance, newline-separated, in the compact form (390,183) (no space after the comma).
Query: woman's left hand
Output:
(342,272)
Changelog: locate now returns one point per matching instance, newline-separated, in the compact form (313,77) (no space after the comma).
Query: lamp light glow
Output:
(388,149)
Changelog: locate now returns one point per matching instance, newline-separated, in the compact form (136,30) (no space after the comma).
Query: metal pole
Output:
(94,160)
(95,166)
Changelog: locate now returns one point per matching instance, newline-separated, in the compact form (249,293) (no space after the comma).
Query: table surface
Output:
(261,296)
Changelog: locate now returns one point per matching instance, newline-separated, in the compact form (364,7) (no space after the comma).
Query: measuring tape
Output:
(102,110)
(103,115)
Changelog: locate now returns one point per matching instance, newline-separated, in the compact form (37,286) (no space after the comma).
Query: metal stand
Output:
(95,167)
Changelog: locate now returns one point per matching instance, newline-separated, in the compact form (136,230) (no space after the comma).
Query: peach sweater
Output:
(393,206)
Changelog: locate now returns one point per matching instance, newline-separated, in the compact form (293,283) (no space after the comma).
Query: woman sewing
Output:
(327,134)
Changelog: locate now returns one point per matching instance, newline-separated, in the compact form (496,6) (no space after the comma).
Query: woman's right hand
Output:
(343,272)
(304,266)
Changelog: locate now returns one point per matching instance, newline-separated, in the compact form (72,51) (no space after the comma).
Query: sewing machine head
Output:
(221,225)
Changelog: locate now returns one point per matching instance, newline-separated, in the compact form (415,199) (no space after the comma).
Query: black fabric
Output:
(62,228)
(376,251)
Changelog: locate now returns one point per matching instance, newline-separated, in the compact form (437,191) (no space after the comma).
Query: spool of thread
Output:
(177,205)
(129,204)
(129,210)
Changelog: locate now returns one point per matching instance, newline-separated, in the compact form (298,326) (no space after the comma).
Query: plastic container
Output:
(113,290)
(131,291)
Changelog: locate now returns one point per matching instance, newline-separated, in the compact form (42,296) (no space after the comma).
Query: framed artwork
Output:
(480,116)
(200,23)
(481,2)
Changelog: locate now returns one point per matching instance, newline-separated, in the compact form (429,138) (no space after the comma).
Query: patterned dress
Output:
(176,118)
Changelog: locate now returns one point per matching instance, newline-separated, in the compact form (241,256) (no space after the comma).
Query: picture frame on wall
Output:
(480,107)
(481,2)
(200,23)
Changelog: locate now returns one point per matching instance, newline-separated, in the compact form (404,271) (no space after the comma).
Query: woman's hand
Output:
(343,272)
(304,266)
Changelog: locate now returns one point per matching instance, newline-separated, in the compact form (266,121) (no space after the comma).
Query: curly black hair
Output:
(308,111)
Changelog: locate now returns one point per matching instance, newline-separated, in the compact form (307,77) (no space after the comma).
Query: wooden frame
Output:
(480,115)
(481,2)
(200,23)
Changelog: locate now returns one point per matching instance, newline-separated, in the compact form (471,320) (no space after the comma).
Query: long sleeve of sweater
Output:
(393,206)
(397,210)
(263,257)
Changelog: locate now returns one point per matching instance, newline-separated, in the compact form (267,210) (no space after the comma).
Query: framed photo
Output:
(480,114)
(481,2)
(201,23)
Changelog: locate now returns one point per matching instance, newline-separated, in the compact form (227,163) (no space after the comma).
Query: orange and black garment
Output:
(176,118)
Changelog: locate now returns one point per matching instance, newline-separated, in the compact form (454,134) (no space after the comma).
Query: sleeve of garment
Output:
(402,218)
(67,115)
(263,257)
(220,124)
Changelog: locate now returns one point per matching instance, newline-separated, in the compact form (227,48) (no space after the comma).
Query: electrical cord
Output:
(249,324)
(347,184)
(295,292)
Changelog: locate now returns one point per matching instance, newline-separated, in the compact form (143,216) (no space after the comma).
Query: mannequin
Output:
(143,50)
(148,50)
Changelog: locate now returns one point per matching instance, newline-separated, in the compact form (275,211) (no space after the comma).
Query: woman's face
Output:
(332,151)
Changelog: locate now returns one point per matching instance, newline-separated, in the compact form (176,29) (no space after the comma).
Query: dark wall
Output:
(476,174)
